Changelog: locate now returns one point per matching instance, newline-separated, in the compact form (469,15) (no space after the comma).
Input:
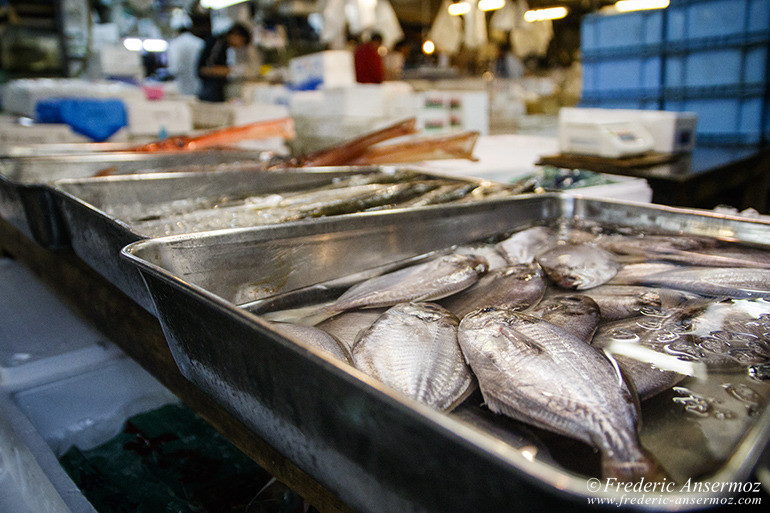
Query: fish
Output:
(348,151)
(720,257)
(647,379)
(347,326)
(734,282)
(413,348)
(536,372)
(633,274)
(577,314)
(522,247)
(578,266)
(453,146)
(649,245)
(621,301)
(494,258)
(315,338)
(441,194)
(516,287)
(283,128)
(428,281)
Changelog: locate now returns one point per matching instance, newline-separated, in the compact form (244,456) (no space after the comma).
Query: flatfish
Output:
(517,287)
(522,247)
(577,314)
(578,266)
(538,373)
(413,348)
(315,338)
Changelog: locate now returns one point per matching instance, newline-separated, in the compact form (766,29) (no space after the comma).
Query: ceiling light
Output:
(155,45)
(133,44)
(219,4)
(491,5)
(639,5)
(550,13)
(428,47)
(459,8)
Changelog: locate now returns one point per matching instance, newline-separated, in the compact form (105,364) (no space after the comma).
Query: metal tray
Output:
(25,195)
(97,237)
(379,451)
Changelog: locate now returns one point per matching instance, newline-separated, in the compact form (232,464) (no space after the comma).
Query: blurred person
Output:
(395,60)
(368,61)
(183,53)
(214,66)
(507,65)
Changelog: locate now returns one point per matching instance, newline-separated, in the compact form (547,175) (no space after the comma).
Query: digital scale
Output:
(611,139)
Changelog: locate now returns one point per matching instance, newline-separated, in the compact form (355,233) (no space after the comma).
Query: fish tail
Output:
(642,468)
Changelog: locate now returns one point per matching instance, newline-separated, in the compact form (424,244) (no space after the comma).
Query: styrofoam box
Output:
(39,424)
(40,337)
(331,68)
(153,117)
(212,115)
(672,131)
(357,100)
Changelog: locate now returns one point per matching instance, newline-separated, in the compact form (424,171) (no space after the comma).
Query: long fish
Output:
(538,373)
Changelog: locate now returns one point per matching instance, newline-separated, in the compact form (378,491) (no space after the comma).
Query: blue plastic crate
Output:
(737,119)
(621,33)
(694,20)
(624,75)
(734,65)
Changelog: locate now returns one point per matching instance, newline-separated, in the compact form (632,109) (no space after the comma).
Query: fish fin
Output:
(643,468)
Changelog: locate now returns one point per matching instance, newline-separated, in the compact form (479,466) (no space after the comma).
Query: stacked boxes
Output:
(710,57)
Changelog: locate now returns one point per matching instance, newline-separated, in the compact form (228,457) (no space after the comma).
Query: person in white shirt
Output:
(183,53)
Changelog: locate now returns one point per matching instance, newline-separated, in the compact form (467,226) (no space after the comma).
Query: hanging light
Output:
(155,45)
(491,5)
(132,44)
(550,13)
(428,47)
(459,8)
(639,5)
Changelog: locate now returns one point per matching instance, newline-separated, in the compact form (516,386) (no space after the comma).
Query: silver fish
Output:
(715,281)
(517,287)
(315,338)
(413,348)
(633,274)
(495,258)
(647,245)
(428,281)
(538,373)
(621,301)
(578,266)
(647,379)
(721,257)
(522,247)
(348,326)
(576,314)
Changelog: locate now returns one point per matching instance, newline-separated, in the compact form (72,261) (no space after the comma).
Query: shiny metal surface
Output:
(379,451)
(97,237)
(25,196)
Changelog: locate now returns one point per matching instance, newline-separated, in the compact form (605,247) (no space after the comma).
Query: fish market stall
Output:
(102,215)
(385,443)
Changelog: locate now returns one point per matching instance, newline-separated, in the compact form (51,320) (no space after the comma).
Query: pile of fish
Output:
(564,327)
(357,193)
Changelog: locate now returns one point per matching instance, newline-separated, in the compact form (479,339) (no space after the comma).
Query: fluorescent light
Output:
(638,5)
(459,8)
(155,45)
(550,13)
(491,5)
(428,47)
(133,44)
(219,4)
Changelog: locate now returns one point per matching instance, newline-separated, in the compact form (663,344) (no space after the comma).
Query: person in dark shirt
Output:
(368,61)
(213,67)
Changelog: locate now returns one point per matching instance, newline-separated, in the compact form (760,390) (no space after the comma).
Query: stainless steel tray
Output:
(379,451)
(25,195)
(98,237)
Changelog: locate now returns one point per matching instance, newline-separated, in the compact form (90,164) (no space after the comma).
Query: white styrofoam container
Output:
(13,133)
(21,96)
(672,132)
(39,424)
(41,338)
(213,115)
(357,100)
(154,117)
(331,68)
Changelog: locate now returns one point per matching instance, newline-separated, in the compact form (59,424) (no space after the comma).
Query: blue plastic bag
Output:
(95,118)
